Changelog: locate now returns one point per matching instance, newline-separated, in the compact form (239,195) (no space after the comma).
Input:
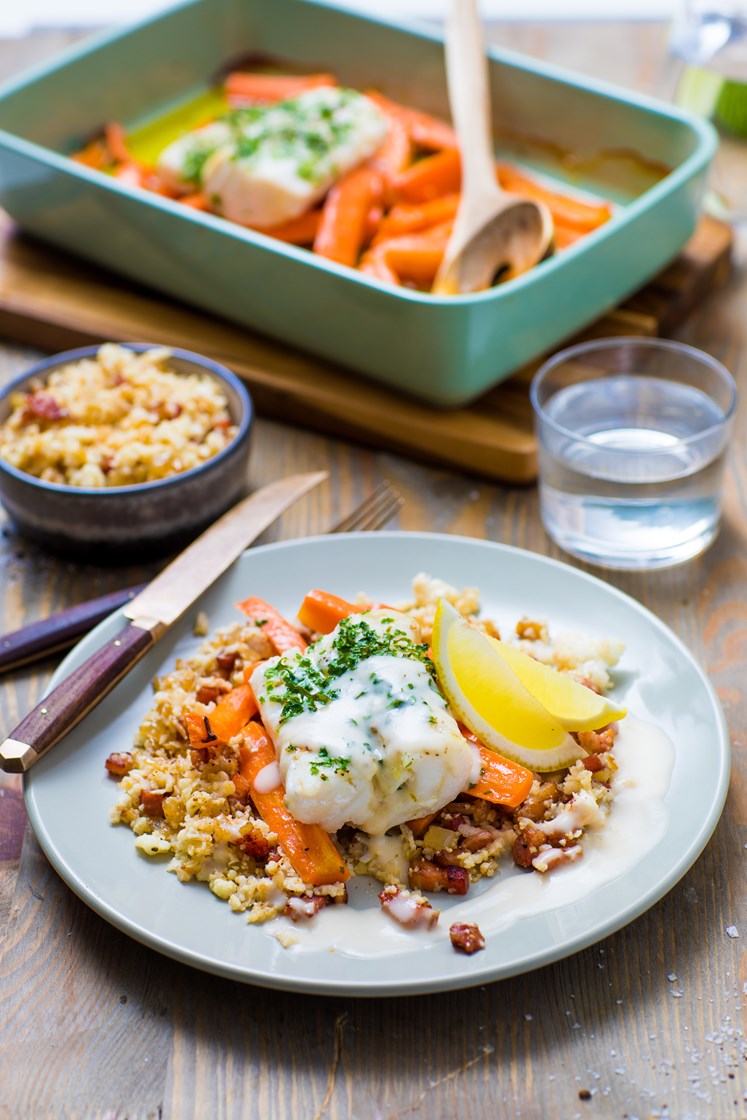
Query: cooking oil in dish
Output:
(630,470)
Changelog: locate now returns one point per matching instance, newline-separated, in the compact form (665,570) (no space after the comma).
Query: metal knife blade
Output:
(151,612)
(173,590)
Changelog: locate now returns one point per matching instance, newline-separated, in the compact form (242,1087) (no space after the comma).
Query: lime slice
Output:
(487,695)
(575,707)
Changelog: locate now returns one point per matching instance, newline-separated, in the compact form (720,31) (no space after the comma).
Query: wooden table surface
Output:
(648,1022)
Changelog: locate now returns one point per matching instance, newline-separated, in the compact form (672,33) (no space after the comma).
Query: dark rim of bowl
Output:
(66,357)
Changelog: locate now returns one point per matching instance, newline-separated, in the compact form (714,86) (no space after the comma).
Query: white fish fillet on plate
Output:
(362,735)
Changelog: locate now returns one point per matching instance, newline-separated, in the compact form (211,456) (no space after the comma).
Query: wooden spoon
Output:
(494,231)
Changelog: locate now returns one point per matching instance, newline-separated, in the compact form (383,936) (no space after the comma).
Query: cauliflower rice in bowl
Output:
(187,795)
(118,418)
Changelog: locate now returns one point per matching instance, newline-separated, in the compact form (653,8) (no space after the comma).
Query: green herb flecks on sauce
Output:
(303,684)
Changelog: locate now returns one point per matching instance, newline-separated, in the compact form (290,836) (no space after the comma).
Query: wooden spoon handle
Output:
(469,97)
(67,704)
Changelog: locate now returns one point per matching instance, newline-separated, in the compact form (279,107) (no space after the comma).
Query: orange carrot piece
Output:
(395,154)
(375,265)
(425,130)
(231,713)
(321,611)
(342,230)
(114,135)
(309,848)
(430,178)
(197,201)
(416,258)
(404,219)
(269,88)
(283,636)
(420,825)
(297,231)
(95,155)
(501,781)
(565,210)
(374,219)
(565,236)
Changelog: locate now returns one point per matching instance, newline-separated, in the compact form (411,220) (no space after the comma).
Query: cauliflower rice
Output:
(118,419)
(183,804)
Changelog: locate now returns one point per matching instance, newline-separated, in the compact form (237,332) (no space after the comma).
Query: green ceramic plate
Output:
(649,158)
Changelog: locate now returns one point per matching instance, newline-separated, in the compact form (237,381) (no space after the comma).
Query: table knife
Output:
(163,601)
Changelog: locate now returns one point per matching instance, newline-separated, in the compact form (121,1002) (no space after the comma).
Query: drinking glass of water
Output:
(709,40)
(632,434)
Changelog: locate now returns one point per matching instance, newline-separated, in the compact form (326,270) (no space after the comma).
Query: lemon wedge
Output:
(575,707)
(488,695)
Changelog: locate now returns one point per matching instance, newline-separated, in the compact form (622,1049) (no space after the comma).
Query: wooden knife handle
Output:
(59,631)
(66,706)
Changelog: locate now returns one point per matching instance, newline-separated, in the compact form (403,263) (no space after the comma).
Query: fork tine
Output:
(373,512)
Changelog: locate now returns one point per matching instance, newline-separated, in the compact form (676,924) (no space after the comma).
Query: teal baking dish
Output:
(649,158)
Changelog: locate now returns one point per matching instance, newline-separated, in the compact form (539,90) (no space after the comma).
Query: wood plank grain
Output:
(60,302)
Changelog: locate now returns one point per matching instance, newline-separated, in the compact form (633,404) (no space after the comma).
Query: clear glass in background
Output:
(709,40)
(631,437)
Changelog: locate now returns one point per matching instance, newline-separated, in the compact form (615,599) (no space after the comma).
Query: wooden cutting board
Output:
(55,302)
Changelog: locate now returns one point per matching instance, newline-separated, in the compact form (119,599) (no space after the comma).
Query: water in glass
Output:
(631,475)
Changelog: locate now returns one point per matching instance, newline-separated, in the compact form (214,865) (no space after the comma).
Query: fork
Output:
(62,630)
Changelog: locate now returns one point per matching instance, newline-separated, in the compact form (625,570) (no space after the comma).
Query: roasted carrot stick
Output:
(241,88)
(196,201)
(425,131)
(403,219)
(395,154)
(298,231)
(342,230)
(309,848)
(232,712)
(280,632)
(501,781)
(564,236)
(321,611)
(565,210)
(430,178)
(416,258)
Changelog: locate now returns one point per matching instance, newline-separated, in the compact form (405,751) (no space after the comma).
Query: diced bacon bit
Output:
(527,845)
(227,661)
(119,763)
(597,741)
(201,756)
(304,908)
(533,809)
(551,858)
(474,838)
(420,826)
(425,876)
(406,909)
(43,406)
(152,801)
(211,689)
(254,844)
(467,937)
(243,788)
(593,763)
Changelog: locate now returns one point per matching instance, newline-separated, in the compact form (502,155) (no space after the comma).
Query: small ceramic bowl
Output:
(138,522)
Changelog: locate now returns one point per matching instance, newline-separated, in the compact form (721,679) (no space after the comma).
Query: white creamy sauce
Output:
(268,779)
(636,823)
(381,750)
